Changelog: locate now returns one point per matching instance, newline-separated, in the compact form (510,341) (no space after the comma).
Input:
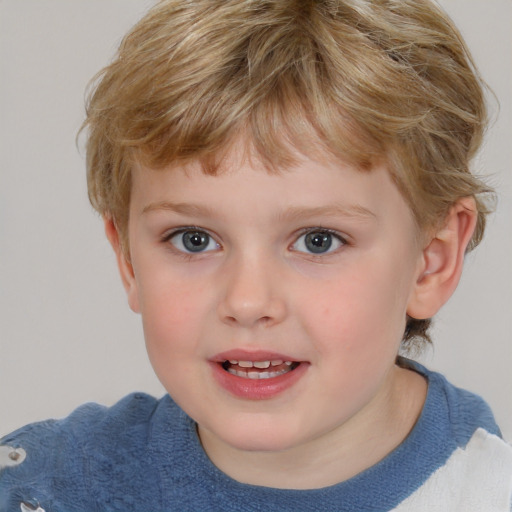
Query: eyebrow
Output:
(182,208)
(333,210)
(293,213)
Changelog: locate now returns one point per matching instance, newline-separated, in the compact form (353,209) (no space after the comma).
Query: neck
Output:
(338,455)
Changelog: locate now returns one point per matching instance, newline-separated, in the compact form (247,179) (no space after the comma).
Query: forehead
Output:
(244,184)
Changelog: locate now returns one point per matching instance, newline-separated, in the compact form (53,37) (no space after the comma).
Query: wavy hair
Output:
(360,80)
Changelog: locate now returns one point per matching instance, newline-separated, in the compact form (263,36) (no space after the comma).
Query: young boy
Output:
(286,187)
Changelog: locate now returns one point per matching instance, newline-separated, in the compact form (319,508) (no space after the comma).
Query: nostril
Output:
(262,320)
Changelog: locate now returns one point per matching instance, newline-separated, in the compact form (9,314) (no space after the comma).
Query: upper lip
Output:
(250,355)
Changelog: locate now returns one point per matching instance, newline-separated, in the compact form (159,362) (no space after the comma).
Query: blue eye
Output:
(193,241)
(318,242)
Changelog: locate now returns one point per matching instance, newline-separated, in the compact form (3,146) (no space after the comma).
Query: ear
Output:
(124,265)
(442,261)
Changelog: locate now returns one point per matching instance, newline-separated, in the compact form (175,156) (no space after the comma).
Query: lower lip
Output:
(257,389)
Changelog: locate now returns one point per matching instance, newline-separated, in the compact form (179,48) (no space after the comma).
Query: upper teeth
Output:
(259,364)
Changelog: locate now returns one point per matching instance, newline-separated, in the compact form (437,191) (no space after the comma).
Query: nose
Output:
(253,294)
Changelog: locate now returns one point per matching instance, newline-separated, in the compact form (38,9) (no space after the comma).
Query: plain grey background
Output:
(67,335)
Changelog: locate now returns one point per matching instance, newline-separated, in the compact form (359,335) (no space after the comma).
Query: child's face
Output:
(315,266)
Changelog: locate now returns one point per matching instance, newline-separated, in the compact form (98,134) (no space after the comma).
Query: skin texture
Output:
(257,287)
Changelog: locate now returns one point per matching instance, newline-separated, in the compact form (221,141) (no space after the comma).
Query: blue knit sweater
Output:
(144,454)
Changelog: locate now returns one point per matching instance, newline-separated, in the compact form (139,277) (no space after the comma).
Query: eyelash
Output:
(321,230)
(167,237)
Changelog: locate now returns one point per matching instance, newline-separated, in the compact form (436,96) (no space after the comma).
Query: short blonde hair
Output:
(364,80)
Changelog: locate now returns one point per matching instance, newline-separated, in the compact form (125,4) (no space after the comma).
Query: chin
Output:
(260,445)
(255,437)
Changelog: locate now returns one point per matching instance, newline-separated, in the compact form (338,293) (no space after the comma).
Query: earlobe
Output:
(442,261)
(125,267)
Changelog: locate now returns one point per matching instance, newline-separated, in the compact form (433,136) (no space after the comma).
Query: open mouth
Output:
(259,369)
(256,374)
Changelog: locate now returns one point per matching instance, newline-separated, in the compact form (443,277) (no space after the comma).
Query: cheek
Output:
(357,310)
(172,330)
(171,311)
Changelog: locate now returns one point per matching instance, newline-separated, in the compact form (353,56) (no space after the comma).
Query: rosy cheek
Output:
(173,310)
(169,320)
